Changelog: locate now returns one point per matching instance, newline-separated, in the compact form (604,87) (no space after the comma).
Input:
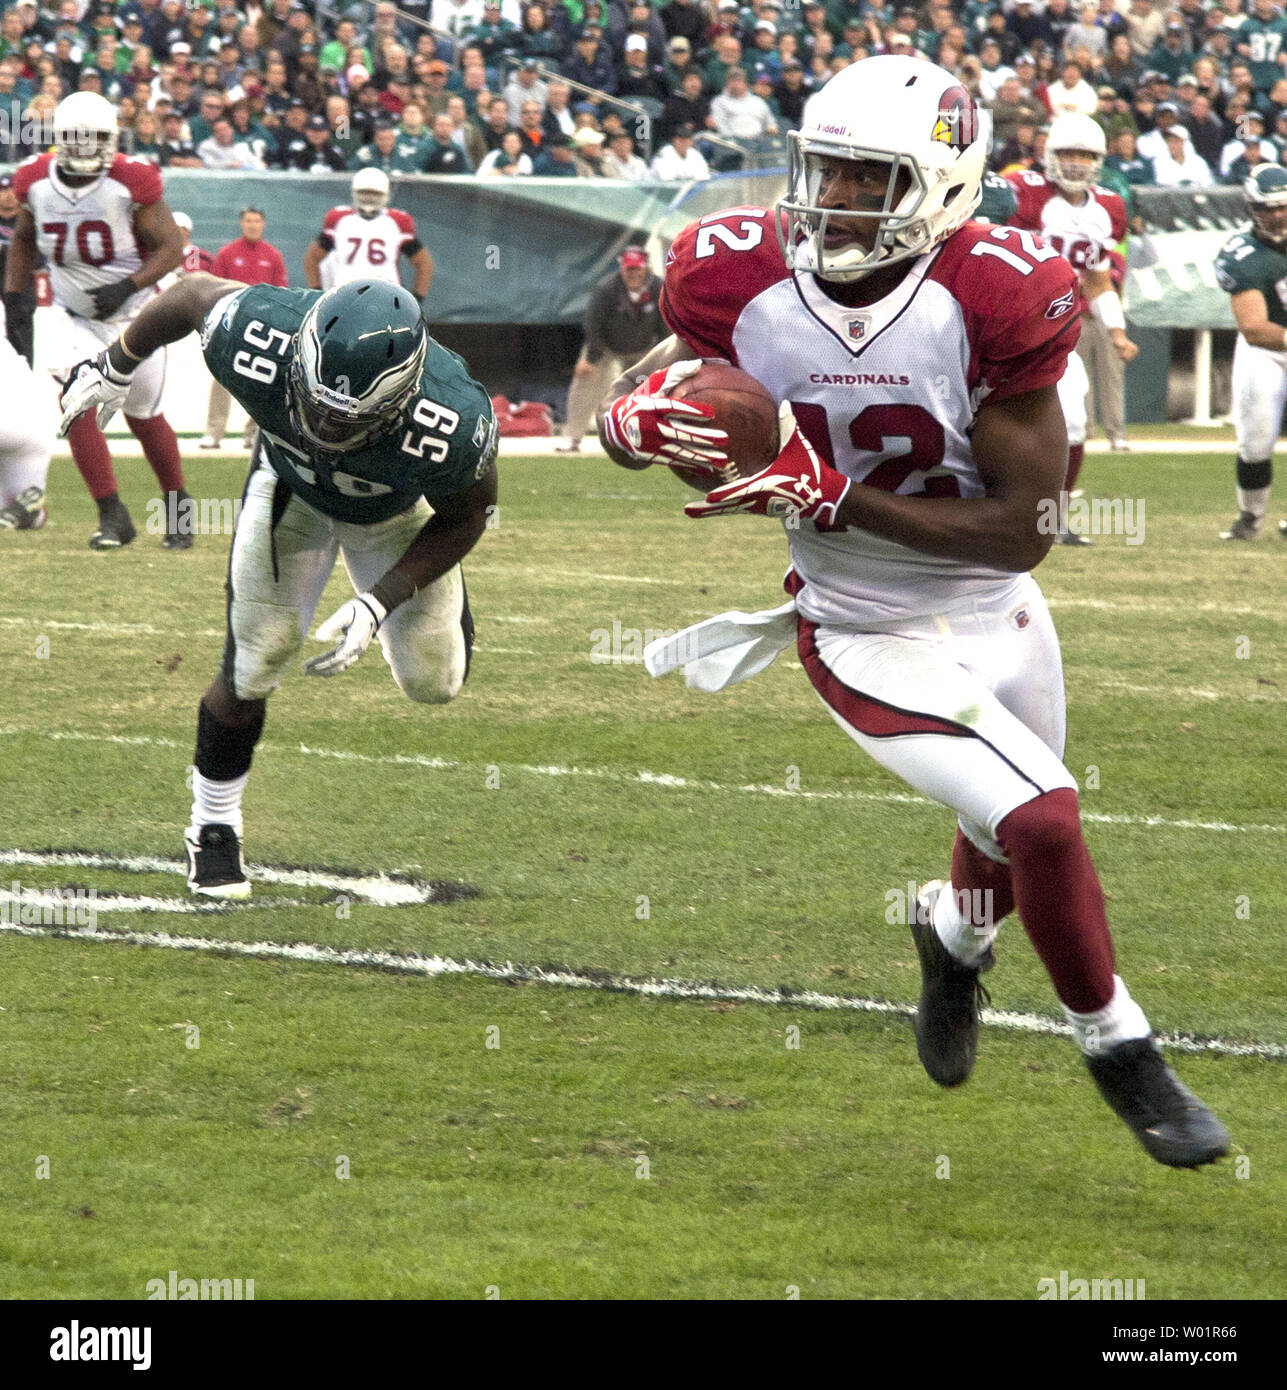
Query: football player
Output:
(1085,223)
(915,356)
(25,442)
(375,445)
(103,226)
(1250,267)
(366,240)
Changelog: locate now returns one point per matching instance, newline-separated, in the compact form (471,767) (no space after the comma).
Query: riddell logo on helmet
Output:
(833,129)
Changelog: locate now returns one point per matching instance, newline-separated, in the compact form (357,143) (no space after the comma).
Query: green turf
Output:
(812,1167)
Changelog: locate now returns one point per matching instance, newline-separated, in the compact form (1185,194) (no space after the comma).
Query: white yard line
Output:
(666,780)
(432,967)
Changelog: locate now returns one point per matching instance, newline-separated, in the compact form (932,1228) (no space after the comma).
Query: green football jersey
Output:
(1265,39)
(1246,263)
(999,202)
(445,441)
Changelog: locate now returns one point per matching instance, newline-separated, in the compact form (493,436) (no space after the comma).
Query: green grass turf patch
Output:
(540,785)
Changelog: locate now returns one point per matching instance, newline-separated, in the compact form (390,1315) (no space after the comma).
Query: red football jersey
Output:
(888,392)
(1084,234)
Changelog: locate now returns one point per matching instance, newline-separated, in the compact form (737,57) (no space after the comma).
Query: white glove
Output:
(652,426)
(93,383)
(355,625)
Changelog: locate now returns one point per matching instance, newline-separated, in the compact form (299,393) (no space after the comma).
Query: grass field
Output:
(358,1132)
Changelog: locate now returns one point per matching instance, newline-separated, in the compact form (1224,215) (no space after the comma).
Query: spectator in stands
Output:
(587,147)
(992,71)
(525,85)
(1123,158)
(680,159)
(246,128)
(334,53)
(292,138)
(456,17)
(464,132)
(1113,112)
(591,63)
(201,126)
(194,258)
(531,129)
(1019,151)
(621,161)
(1145,25)
(1181,166)
(1205,130)
(1072,93)
(1119,68)
(1250,126)
(224,151)
(558,117)
(1027,25)
(622,323)
(507,159)
(253,261)
(739,113)
(726,53)
(494,36)
(146,142)
(383,153)
(320,154)
(442,154)
(497,123)
(177,151)
(685,19)
(790,94)
(536,39)
(412,128)
(636,76)
(1086,37)
(1255,150)
(1011,107)
(1152,143)
(556,160)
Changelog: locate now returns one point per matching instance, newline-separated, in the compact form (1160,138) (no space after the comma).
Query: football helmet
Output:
(913,117)
(359,355)
(1074,133)
(370,191)
(84,134)
(1266,192)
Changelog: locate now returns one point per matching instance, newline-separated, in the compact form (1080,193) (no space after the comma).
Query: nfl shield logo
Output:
(857,330)
(1021,617)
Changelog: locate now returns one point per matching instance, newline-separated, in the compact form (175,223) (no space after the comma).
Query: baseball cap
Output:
(317,123)
(1168,106)
(181,219)
(766,24)
(356,71)
(679,44)
(633,256)
(585,136)
(591,31)
(437,65)
(6,180)
(180,47)
(530,64)
(1107,91)
(688,130)
(635,44)
(1188,80)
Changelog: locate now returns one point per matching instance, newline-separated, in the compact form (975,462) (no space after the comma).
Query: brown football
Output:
(743,409)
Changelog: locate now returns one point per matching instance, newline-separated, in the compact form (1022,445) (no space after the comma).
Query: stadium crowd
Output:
(1187,96)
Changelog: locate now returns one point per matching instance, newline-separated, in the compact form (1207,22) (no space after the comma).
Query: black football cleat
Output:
(180,520)
(26,512)
(215,869)
(1246,526)
(947,1017)
(115,529)
(1169,1120)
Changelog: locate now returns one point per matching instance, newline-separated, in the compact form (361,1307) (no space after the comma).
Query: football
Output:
(743,409)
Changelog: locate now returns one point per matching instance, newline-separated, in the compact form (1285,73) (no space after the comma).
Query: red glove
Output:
(797,485)
(653,427)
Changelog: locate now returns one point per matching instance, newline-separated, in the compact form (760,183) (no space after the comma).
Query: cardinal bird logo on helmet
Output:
(958,119)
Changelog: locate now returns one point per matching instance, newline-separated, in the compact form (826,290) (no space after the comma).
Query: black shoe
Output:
(180,521)
(25,513)
(1067,537)
(215,869)
(1245,527)
(115,528)
(1170,1121)
(947,1017)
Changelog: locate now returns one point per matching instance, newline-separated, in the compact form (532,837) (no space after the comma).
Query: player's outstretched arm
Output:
(314,254)
(20,264)
(422,268)
(102,384)
(1252,316)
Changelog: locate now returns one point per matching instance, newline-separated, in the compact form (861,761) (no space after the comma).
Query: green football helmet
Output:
(1266,194)
(359,356)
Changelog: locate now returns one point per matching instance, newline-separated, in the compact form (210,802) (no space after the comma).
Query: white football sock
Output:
(217,803)
(963,940)
(1121,1020)
(1254,500)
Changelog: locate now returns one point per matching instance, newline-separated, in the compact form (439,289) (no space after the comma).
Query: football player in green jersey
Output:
(1252,267)
(375,445)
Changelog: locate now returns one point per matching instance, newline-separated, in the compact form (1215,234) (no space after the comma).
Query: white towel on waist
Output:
(725,649)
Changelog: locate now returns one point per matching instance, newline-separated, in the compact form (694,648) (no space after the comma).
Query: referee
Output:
(621,325)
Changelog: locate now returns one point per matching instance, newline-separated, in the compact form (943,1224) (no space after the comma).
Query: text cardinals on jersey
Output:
(986,315)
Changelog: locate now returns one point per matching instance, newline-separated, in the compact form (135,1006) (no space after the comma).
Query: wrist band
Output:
(120,342)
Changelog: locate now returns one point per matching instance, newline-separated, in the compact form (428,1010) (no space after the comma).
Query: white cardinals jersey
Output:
(366,248)
(887,393)
(1083,234)
(87,233)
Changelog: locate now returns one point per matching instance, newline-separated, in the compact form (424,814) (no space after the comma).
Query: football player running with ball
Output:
(915,356)
(375,446)
(1250,267)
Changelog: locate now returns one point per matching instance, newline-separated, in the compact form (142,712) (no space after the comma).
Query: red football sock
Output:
(92,456)
(1075,454)
(160,448)
(1059,898)
(976,876)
